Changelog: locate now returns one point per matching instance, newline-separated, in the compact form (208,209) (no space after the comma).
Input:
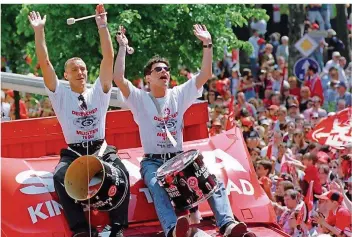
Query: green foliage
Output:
(166,30)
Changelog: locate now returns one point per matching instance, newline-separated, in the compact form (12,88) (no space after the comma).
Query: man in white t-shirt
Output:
(82,113)
(159,115)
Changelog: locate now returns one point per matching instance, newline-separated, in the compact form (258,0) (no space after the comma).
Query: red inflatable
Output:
(30,151)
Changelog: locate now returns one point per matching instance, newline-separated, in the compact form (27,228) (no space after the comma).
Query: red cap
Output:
(246,122)
(332,195)
(315,26)
(10,93)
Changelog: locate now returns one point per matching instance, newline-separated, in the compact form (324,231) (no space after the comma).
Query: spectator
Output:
(294,88)
(5,107)
(282,50)
(291,199)
(325,13)
(253,40)
(314,15)
(47,109)
(344,94)
(334,62)
(314,83)
(315,109)
(334,43)
(330,96)
(10,98)
(339,217)
(242,103)
(304,98)
(234,80)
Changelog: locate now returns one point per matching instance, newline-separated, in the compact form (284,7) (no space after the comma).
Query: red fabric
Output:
(341,220)
(316,88)
(269,151)
(23,110)
(311,174)
(231,117)
(308,200)
(334,131)
(296,92)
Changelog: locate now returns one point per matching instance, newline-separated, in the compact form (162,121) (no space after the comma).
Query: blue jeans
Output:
(219,202)
(254,67)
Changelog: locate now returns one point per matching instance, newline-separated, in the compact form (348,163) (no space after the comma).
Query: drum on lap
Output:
(187,180)
(96,183)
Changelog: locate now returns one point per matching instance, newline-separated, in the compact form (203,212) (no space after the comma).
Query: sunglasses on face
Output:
(159,69)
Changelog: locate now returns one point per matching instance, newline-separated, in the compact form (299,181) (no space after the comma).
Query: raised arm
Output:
(106,65)
(119,68)
(201,32)
(41,50)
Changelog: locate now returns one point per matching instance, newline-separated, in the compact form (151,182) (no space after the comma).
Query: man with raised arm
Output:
(159,115)
(81,113)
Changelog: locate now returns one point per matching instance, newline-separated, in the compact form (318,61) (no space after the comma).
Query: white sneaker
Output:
(182,227)
(195,217)
(237,229)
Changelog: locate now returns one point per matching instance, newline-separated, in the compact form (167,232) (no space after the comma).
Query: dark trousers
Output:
(74,211)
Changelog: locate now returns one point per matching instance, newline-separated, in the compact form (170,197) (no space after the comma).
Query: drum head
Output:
(84,177)
(177,163)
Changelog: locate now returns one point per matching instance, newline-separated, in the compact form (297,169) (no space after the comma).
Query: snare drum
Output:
(187,180)
(96,183)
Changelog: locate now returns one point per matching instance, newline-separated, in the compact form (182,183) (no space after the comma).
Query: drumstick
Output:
(71,21)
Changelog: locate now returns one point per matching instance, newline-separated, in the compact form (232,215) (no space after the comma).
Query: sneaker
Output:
(195,217)
(236,230)
(181,228)
(116,234)
(116,231)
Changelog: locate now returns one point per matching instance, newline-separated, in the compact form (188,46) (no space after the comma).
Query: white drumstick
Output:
(71,21)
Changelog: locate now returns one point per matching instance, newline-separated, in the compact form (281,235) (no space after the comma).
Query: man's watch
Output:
(210,45)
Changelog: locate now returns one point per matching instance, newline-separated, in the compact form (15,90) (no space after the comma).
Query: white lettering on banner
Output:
(247,189)
(36,177)
(37,212)
(227,161)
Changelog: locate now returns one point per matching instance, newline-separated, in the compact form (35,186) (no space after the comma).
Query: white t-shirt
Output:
(173,106)
(79,125)
(5,111)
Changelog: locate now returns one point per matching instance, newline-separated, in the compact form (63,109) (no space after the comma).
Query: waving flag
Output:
(335,130)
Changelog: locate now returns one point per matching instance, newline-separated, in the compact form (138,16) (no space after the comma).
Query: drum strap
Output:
(157,105)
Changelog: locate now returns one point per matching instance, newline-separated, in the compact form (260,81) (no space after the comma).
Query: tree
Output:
(152,29)
(295,20)
(341,29)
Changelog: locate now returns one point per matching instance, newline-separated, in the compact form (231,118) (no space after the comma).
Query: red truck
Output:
(30,149)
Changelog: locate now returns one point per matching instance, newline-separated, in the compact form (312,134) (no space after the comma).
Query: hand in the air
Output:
(36,20)
(121,37)
(100,18)
(201,32)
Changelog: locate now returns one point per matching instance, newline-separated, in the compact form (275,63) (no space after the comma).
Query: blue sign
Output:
(301,67)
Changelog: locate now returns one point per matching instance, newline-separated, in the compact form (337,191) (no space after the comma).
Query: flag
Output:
(335,130)
(308,199)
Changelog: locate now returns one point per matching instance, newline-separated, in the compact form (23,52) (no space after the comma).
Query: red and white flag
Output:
(335,130)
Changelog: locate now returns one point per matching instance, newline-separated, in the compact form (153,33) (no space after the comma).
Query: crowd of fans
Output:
(29,106)
(276,110)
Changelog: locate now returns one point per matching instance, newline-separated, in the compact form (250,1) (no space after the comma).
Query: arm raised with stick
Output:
(106,66)
(49,75)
